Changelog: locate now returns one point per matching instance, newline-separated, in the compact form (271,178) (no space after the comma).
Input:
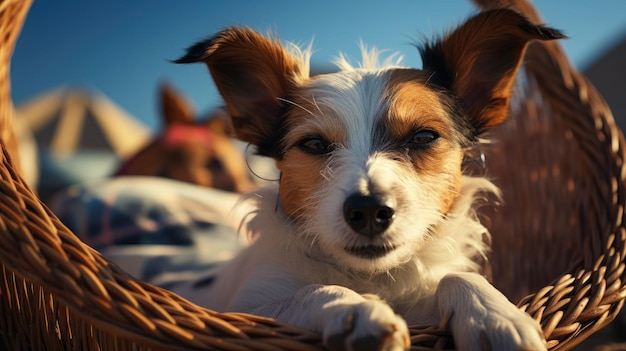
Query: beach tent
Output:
(81,136)
(65,120)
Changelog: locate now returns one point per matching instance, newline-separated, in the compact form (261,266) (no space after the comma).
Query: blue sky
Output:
(122,47)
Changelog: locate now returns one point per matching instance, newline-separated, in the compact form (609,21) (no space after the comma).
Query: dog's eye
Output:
(423,138)
(215,164)
(317,146)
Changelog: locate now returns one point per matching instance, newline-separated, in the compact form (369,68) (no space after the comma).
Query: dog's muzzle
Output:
(367,215)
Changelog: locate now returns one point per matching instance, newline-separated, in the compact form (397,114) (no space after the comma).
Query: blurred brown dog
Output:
(201,153)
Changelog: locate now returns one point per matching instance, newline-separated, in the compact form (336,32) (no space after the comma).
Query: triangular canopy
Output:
(66,120)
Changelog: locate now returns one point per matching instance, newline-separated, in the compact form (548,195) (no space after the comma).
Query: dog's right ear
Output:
(220,123)
(479,62)
(251,72)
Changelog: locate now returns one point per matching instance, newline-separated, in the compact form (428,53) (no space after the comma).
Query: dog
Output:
(197,152)
(373,223)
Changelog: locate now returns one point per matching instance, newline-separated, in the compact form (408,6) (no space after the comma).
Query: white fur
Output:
(371,58)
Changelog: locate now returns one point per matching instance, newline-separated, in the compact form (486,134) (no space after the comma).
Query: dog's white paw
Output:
(368,325)
(483,318)
(507,328)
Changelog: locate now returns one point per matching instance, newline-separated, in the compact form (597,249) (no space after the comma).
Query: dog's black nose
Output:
(367,214)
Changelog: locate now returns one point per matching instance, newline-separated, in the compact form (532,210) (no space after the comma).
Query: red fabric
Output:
(172,136)
(178,133)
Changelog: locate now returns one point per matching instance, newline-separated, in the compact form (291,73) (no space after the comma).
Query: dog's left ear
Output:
(479,61)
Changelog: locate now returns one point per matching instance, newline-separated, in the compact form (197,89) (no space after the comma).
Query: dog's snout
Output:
(367,214)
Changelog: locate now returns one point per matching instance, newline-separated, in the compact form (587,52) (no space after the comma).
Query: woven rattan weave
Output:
(558,239)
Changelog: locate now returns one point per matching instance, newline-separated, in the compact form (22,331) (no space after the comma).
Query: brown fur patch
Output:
(301,175)
(414,107)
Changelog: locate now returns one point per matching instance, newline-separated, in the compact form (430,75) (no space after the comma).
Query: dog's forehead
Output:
(358,101)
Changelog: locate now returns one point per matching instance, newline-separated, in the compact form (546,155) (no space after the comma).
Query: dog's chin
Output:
(370,251)
(372,258)
(348,250)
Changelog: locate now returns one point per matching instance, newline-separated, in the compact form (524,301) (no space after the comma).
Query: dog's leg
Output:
(483,318)
(346,319)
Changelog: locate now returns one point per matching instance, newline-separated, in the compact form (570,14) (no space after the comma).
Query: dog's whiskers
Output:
(298,215)
(390,276)
(316,105)
(327,173)
(295,104)
(430,76)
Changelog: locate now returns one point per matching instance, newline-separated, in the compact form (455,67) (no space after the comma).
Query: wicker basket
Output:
(559,238)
